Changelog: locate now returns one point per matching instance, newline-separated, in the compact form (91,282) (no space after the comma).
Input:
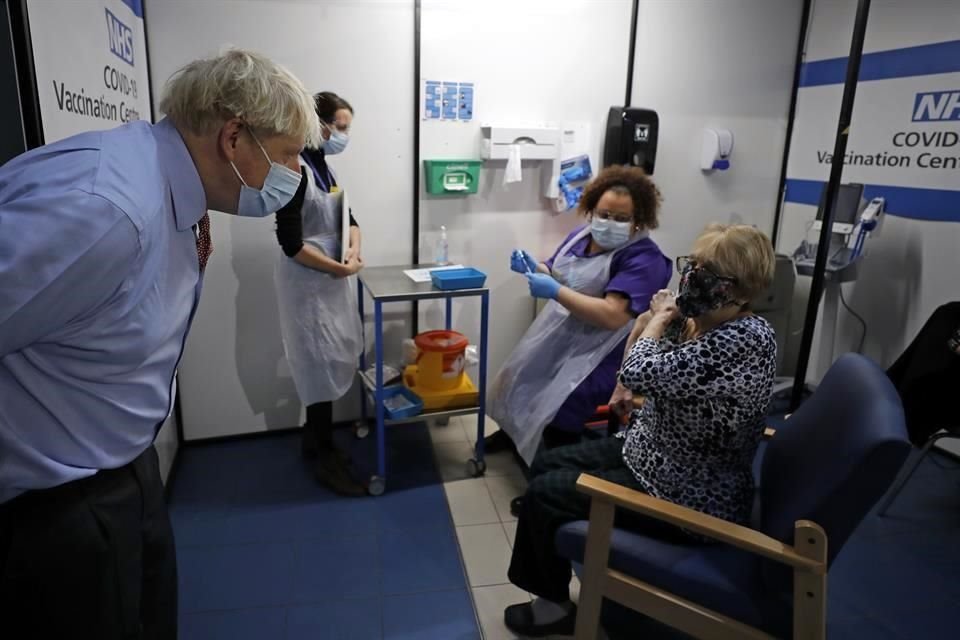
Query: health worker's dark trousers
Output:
(93,558)
(552,500)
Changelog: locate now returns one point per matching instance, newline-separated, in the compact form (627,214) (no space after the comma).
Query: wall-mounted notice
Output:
(451,100)
(448,100)
(465,106)
(432,100)
(91,64)
(905,135)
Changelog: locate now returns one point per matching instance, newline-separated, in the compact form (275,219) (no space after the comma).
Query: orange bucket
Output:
(440,359)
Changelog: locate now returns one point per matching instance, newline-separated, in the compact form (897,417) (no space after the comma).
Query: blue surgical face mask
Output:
(337,141)
(610,234)
(278,189)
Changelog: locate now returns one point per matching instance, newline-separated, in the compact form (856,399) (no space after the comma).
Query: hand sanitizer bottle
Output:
(442,256)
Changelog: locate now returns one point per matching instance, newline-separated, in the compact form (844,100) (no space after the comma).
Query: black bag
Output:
(927,375)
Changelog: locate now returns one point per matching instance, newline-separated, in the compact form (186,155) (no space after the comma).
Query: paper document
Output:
(423,275)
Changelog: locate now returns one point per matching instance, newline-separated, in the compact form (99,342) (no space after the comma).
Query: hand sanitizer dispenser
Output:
(716,150)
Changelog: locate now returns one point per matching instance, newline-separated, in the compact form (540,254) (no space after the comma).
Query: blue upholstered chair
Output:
(821,474)
(950,431)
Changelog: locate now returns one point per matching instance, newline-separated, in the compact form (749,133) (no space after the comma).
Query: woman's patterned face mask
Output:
(702,291)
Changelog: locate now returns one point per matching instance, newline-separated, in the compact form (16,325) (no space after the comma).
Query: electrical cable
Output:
(863,323)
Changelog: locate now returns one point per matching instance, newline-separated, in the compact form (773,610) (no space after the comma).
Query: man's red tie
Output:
(204,245)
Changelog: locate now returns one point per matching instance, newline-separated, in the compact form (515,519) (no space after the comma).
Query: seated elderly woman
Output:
(705,365)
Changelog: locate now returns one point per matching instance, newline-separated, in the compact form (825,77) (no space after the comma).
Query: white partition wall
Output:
(698,64)
(730,65)
(557,61)
(911,268)
(234,378)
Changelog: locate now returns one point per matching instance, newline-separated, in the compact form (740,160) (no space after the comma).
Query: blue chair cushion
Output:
(716,576)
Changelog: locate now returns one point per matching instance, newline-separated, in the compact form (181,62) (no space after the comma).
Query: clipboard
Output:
(344,204)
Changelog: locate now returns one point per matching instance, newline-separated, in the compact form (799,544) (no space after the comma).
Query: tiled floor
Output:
(481,513)
(265,553)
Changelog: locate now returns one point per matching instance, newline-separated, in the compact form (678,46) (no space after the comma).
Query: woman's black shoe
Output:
(515,505)
(308,442)
(519,619)
(332,471)
(496,442)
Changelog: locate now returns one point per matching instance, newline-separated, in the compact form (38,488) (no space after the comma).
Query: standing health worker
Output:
(103,241)
(598,281)
(316,293)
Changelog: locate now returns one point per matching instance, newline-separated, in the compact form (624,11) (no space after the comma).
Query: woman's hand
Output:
(621,402)
(351,267)
(543,286)
(642,320)
(352,254)
(663,305)
(521,262)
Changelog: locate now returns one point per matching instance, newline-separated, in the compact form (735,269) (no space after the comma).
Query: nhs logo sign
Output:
(936,106)
(120,38)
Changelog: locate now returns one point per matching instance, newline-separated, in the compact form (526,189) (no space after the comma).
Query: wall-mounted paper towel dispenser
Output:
(535,143)
(631,138)
(515,144)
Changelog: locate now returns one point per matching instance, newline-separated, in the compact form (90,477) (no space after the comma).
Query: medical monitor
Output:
(848,204)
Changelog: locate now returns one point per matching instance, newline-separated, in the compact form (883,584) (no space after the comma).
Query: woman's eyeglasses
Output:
(339,127)
(688,262)
(604,214)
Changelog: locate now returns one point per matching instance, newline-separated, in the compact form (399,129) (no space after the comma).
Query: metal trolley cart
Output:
(391,284)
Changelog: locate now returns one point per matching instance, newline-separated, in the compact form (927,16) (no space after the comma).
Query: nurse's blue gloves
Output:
(522,262)
(543,286)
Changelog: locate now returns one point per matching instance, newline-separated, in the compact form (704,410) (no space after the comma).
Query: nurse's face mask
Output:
(338,139)
(701,290)
(610,229)
(278,188)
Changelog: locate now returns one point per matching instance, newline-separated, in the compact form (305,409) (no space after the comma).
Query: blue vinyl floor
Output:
(265,553)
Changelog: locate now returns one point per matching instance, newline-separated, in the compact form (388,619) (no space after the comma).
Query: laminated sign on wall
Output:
(90,60)
(904,140)
(448,100)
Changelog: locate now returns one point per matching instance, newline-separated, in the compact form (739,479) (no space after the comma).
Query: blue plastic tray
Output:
(415,407)
(452,279)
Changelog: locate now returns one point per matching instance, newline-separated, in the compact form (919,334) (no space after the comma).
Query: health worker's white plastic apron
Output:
(556,353)
(319,318)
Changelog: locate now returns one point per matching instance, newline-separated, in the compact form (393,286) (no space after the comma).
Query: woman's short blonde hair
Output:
(201,96)
(737,251)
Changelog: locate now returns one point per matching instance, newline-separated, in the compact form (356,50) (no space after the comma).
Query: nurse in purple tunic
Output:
(599,279)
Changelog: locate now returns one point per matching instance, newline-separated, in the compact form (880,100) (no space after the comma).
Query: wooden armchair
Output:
(821,474)
(808,560)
